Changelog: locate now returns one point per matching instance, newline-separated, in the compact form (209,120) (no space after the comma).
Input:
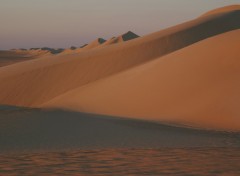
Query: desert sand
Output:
(27,130)
(183,75)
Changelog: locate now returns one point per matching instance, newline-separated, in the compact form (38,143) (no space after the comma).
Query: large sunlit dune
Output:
(35,82)
(198,85)
(142,81)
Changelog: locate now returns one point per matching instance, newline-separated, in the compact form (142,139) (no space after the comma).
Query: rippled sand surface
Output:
(170,161)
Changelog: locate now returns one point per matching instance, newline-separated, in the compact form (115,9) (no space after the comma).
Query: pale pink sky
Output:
(63,23)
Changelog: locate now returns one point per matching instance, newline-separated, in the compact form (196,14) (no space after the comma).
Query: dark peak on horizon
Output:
(129,36)
(101,40)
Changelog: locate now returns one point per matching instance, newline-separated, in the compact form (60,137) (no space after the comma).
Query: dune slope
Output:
(197,86)
(34,82)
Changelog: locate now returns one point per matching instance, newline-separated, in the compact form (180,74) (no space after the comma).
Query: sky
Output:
(65,23)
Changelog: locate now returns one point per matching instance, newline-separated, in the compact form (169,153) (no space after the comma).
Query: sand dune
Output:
(198,85)
(122,38)
(94,44)
(35,82)
(101,42)
(14,56)
(71,51)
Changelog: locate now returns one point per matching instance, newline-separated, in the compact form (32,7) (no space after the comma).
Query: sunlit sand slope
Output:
(198,86)
(35,82)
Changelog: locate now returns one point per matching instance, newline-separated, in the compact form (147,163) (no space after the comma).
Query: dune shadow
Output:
(37,129)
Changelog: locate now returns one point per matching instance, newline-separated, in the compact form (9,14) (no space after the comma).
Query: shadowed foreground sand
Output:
(24,129)
(194,86)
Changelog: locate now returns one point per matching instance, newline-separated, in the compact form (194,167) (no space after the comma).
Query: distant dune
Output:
(187,74)
(122,38)
(15,56)
(102,42)
(94,44)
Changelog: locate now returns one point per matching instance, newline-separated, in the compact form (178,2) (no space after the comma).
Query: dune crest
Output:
(223,10)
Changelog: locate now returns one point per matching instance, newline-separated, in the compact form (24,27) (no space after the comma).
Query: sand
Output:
(186,74)
(26,130)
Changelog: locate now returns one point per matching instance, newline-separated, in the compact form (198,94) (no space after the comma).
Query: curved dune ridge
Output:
(92,45)
(196,85)
(223,10)
(102,42)
(47,82)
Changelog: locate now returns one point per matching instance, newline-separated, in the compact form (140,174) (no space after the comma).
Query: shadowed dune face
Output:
(15,56)
(35,82)
(198,85)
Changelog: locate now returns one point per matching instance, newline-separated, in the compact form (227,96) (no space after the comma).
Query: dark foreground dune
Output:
(39,130)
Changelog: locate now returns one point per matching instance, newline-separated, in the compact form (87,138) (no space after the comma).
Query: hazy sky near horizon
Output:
(63,23)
